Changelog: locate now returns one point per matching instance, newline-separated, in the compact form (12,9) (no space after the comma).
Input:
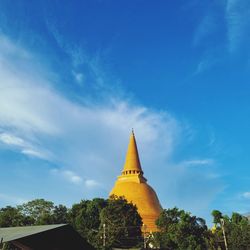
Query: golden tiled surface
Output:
(144,197)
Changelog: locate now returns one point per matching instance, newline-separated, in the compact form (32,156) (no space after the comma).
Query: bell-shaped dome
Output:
(133,186)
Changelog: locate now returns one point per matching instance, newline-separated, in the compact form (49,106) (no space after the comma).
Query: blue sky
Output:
(76,76)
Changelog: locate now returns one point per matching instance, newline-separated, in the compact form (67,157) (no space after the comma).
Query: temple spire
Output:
(132,162)
(132,185)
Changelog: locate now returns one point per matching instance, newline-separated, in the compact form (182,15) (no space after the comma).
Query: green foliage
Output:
(35,212)
(180,230)
(11,217)
(121,219)
(39,210)
(85,218)
(60,215)
(237,230)
(122,223)
(177,228)
(217,216)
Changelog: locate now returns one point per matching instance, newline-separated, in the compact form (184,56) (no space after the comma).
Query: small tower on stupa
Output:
(133,186)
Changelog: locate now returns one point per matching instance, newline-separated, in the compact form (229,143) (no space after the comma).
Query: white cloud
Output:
(91,183)
(11,199)
(8,48)
(207,26)
(191,187)
(198,162)
(23,146)
(12,140)
(230,19)
(246,195)
(236,15)
(68,175)
(88,140)
(35,153)
(72,177)
(205,64)
(38,114)
(211,57)
(238,25)
(79,77)
(84,67)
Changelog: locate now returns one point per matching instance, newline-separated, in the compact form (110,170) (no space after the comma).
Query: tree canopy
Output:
(180,230)
(85,218)
(39,210)
(114,219)
(237,231)
(122,222)
(35,212)
(11,216)
(116,223)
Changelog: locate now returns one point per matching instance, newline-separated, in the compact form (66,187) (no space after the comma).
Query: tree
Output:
(11,217)
(39,210)
(217,216)
(122,223)
(60,214)
(85,218)
(36,212)
(237,230)
(180,230)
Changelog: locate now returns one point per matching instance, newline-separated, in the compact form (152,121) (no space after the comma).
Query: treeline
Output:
(181,230)
(113,222)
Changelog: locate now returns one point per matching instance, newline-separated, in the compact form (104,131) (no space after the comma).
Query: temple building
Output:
(133,186)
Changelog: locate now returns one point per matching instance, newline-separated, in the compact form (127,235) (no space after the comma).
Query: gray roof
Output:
(14,233)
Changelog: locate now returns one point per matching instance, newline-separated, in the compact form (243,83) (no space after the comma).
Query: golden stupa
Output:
(133,186)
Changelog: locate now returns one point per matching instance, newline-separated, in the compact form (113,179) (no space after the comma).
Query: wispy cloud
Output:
(24,147)
(86,142)
(36,153)
(74,178)
(33,113)
(206,63)
(11,199)
(79,77)
(238,25)
(198,162)
(84,67)
(91,183)
(12,140)
(68,175)
(246,195)
(193,184)
(224,30)
(207,26)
